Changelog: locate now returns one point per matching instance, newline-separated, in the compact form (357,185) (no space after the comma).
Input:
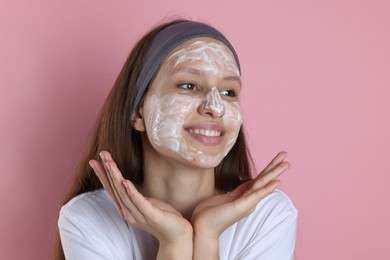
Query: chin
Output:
(205,161)
(191,154)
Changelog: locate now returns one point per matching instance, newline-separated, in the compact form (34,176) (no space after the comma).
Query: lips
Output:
(207,134)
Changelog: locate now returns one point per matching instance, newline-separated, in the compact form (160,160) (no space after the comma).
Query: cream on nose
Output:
(213,102)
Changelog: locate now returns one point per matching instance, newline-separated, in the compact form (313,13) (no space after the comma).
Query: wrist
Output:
(206,246)
(178,249)
(206,233)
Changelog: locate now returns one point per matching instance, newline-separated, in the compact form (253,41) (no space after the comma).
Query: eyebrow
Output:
(188,70)
(201,72)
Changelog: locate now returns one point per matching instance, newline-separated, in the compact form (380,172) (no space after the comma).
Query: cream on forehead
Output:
(165,126)
(215,57)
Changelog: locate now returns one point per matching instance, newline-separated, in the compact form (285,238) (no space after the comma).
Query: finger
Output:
(245,205)
(144,206)
(102,175)
(275,161)
(240,189)
(129,210)
(264,180)
(250,201)
(108,164)
(260,194)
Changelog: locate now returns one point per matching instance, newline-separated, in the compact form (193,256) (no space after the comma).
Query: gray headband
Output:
(164,42)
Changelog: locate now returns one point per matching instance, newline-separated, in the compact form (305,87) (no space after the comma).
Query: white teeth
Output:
(205,132)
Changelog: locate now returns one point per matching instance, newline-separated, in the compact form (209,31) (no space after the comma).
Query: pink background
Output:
(316,83)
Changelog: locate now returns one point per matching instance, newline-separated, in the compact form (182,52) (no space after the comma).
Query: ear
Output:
(137,120)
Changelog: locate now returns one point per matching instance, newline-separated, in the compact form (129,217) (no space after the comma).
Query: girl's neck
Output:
(181,186)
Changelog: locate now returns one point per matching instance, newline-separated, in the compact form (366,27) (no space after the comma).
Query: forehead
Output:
(192,49)
(213,42)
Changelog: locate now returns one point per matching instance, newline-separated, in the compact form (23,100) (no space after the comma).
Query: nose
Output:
(212,104)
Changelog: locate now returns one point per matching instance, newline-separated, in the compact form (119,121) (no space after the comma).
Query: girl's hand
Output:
(154,216)
(214,215)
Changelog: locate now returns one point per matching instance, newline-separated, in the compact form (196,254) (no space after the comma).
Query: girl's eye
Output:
(227,92)
(187,86)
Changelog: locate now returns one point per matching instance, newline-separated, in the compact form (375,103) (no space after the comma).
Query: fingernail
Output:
(277,184)
(105,164)
(102,156)
(108,167)
(91,164)
(285,164)
(125,185)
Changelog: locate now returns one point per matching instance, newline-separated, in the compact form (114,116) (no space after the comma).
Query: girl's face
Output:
(191,112)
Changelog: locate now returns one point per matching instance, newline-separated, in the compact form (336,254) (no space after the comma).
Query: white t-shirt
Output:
(92,229)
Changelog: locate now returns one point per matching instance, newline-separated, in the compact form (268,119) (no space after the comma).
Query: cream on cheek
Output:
(165,128)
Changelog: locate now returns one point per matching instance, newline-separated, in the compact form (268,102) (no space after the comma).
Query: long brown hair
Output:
(114,133)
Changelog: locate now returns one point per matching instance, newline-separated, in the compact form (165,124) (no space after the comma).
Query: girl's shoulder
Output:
(91,211)
(276,202)
(272,210)
(267,233)
(85,202)
(91,225)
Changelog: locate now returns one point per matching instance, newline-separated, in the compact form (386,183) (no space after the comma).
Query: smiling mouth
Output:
(209,133)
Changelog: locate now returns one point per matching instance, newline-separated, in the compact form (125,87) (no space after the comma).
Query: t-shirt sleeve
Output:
(91,228)
(81,238)
(268,233)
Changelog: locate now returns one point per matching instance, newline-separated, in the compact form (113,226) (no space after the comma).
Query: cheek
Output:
(173,106)
(167,115)
(233,117)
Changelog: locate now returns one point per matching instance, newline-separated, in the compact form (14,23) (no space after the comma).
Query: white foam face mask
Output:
(168,113)
(213,102)
(213,55)
(166,124)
